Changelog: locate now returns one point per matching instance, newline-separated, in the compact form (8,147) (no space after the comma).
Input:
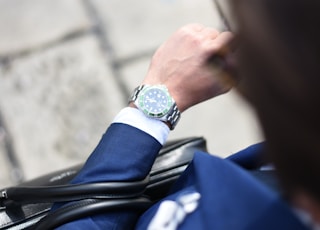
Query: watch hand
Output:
(151,100)
(160,105)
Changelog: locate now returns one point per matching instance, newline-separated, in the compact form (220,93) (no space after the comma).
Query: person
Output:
(280,78)
(276,68)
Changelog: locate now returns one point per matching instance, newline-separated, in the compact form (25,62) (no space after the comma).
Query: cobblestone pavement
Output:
(68,66)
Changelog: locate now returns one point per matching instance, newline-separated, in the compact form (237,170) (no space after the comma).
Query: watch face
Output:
(155,101)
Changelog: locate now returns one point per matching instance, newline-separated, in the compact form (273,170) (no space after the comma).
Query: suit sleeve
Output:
(124,153)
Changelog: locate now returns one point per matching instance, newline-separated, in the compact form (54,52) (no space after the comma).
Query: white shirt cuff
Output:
(134,117)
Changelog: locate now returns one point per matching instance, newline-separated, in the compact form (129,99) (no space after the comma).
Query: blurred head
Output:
(279,66)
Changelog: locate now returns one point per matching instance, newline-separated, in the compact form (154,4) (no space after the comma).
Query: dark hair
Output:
(280,76)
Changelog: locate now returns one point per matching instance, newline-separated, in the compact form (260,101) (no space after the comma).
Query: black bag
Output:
(27,205)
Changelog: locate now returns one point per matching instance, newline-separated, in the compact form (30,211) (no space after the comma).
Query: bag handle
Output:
(45,194)
(83,208)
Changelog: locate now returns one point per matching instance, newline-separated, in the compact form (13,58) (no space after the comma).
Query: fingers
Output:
(211,39)
(222,58)
(220,43)
(202,31)
(223,39)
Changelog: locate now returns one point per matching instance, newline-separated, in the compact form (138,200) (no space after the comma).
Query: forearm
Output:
(126,151)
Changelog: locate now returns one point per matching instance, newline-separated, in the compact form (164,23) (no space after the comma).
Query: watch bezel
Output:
(143,108)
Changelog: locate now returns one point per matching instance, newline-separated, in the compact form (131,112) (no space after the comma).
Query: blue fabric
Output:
(230,197)
(252,157)
(123,154)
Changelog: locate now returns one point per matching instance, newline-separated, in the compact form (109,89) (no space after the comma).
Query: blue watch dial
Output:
(155,101)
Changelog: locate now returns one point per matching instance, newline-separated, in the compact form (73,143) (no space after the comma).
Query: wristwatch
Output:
(156,102)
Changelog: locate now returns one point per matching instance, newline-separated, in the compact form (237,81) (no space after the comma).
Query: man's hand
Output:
(181,64)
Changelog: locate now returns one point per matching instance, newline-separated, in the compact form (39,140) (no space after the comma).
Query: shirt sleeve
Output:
(134,117)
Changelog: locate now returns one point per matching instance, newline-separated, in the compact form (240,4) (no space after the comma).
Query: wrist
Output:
(132,105)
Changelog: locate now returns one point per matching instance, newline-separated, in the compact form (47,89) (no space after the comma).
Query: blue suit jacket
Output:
(231,198)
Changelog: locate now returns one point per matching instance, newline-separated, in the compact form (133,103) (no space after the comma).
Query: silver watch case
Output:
(156,102)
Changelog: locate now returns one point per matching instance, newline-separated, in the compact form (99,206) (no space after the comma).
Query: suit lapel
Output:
(233,199)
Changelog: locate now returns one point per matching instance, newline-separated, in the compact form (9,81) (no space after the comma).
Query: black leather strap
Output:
(88,207)
(38,194)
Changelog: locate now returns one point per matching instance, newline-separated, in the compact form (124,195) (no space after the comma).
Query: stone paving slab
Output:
(25,25)
(140,27)
(57,103)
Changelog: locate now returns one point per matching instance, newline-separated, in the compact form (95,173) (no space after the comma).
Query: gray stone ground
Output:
(68,66)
